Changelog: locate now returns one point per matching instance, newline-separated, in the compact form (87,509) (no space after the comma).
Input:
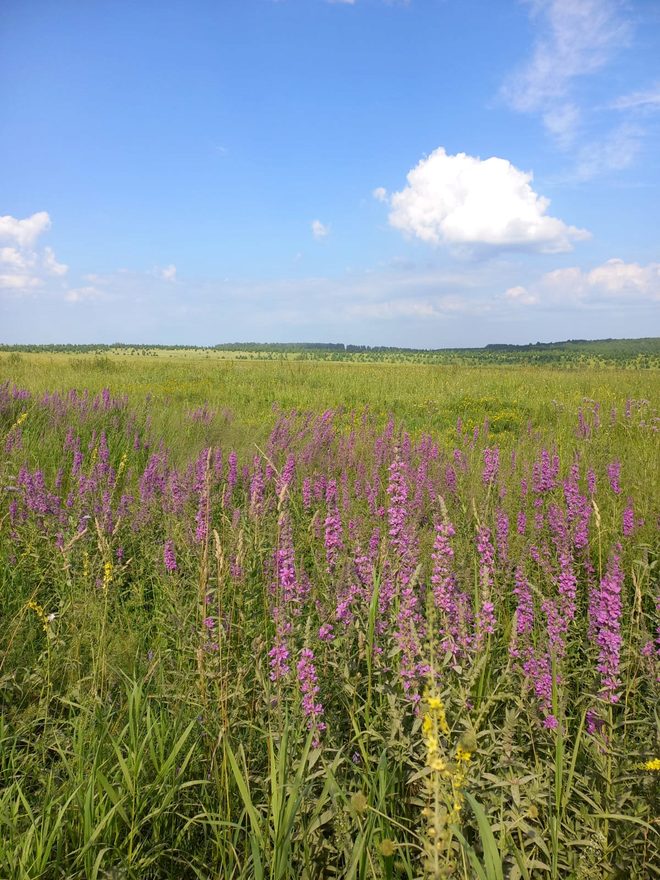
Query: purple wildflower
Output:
(594,723)
(614,472)
(605,620)
(279,656)
(502,527)
(491,465)
(333,528)
(486,618)
(311,706)
(591,481)
(524,610)
(628,519)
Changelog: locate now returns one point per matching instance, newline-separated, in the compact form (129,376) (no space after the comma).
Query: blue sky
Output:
(426,173)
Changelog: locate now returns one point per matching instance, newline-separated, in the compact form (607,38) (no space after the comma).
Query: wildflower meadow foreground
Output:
(344,651)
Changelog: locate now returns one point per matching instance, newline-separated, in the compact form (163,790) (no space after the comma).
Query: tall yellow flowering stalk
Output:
(444,784)
(107,574)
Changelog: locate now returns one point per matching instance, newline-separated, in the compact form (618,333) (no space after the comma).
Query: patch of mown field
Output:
(295,619)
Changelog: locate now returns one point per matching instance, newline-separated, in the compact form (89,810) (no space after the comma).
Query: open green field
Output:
(425,397)
(282,617)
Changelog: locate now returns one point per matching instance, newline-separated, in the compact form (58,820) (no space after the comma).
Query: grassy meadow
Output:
(312,618)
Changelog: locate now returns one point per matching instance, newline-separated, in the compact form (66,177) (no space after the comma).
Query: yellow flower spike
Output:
(19,421)
(39,611)
(437,708)
(653,765)
(107,575)
(122,466)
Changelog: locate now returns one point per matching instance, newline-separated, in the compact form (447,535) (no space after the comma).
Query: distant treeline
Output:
(645,345)
(636,353)
(648,344)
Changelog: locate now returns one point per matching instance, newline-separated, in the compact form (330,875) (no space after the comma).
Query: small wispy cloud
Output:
(616,151)
(646,99)
(83,294)
(577,39)
(168,273)
(319,230)
(51,265)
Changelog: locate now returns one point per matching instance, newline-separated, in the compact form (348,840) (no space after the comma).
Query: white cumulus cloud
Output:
(462,200)
(614,281)
(18,281)
(24,265)
(25,232)
(10,256)
(615,277)
(319,230)
(520,294)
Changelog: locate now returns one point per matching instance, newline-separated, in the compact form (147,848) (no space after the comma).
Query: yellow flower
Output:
(463,755)
(19,421)
(122,466)
(653,765)
(107,575)
(39,611)
(437,708)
